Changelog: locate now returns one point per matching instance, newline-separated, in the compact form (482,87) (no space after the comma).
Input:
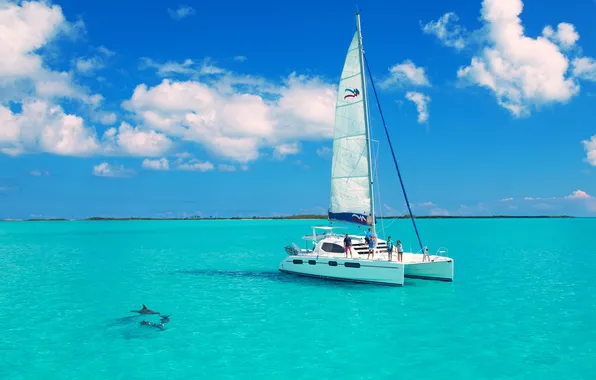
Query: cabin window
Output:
(297,261)
(312,262)
(333,263)
(352,265)
(334,248)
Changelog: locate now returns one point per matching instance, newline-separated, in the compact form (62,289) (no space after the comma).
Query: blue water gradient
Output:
(523,304)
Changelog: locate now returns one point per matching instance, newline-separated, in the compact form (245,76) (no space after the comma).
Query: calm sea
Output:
(522,306)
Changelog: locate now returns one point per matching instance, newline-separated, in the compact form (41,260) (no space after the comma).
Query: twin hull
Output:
(369,271)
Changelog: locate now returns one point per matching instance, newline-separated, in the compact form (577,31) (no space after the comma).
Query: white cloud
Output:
(421,102)
(427,204)
(26,27)
(539,198)
(135,141)
(565,35)
(584,68)
(325,151)
(406,73)
(240,58)
(446,30)
(41,127)
(578,194)
(196,165)
(439,212)
(506,200)
(590,148)
(523,73)
(181,12)
(106,118)
(187,67)
(88,65)
(106,170)
(283,150)
(105,51)
(39,173)
(159,164)
(237,124)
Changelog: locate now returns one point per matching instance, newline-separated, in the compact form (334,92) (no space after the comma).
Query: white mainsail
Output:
(350,172)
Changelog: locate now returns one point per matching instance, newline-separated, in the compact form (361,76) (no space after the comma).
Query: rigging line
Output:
(379,187)
(392,152)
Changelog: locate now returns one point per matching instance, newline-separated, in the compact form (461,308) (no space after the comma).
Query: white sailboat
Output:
(352,200)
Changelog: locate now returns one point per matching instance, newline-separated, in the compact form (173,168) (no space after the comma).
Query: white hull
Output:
(435,268)
(342,269)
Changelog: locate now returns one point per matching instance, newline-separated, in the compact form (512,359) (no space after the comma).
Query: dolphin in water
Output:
(144,310)
(164,319)
(159,326)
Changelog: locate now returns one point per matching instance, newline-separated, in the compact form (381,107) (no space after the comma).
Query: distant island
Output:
(287,217)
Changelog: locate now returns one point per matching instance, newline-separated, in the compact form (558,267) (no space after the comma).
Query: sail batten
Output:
(350,187)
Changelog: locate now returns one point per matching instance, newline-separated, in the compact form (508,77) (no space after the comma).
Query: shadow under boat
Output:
(270,276)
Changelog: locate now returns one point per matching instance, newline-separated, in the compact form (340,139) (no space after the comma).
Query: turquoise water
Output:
(523,304)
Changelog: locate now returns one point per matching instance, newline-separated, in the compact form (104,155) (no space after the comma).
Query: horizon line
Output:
(286,217)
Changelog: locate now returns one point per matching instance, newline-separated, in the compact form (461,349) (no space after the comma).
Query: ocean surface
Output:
(522,306)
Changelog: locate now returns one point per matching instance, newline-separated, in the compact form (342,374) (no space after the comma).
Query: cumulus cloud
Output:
(283,150)
(590,148)
(405,73)
(584,68)
(27,27)
(196,165)
(427,204)
(235,117)
(135,141)
(421,102)
(578,194)
(236,125)
(25,79)
(439,212)
(506,200)
(188,67)
(523,73)
(106,170)
(565,35)
(447,30)
(159,164)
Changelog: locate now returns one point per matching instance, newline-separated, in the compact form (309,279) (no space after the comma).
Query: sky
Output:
(136,108)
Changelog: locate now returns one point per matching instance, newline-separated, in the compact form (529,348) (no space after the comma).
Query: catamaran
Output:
(353,200)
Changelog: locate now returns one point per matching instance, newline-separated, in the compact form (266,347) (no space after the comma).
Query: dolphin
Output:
(144,310)
(159,326)
(164,319)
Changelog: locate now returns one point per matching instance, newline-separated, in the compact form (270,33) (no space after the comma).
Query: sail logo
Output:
(353,93)
(360,218)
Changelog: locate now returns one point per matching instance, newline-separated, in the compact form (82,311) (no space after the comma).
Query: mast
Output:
(366,123)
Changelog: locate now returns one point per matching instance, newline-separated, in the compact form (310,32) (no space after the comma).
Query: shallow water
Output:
(523,304)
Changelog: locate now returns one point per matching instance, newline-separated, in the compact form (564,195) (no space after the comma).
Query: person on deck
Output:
(367,236)
(400,251)
(371,246)
(389,248)
(348,245)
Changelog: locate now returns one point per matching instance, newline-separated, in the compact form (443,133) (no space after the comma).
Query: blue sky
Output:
(121,108)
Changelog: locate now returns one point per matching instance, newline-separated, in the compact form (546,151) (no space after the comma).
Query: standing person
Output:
(367,236)
(400,252)
(348,245)
(371,246)
(389,248)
